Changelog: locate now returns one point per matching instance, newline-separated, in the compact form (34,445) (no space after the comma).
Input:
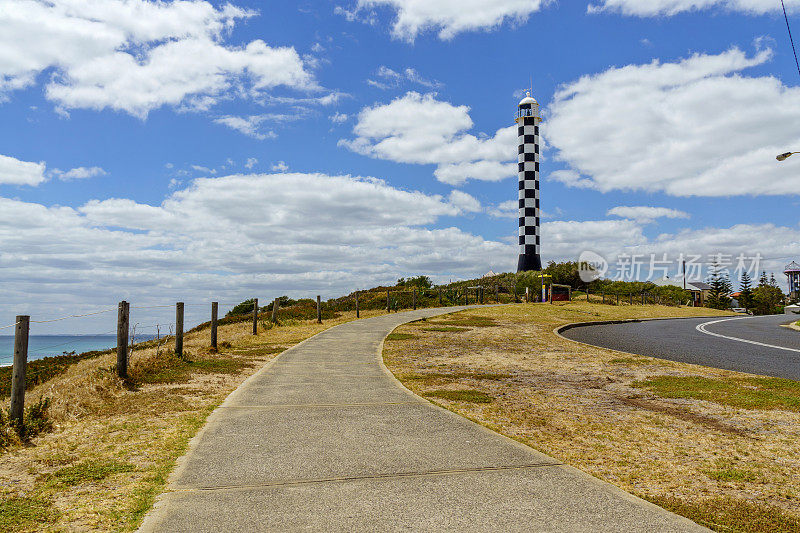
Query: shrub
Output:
(34,422)
(44,369)
(244,308)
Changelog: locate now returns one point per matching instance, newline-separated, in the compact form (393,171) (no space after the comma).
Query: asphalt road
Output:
(758,345)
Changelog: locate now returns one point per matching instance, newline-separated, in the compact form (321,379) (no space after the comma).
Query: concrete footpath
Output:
(325,439)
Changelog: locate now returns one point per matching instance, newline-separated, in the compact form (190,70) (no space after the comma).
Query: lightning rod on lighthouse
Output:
(528,120)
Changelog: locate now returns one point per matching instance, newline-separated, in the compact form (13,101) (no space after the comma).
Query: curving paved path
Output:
(325,439)
(758,345)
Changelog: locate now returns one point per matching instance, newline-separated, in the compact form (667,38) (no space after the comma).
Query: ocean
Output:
(40,346)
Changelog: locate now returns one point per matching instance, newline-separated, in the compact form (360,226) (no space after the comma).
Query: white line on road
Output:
(702,329)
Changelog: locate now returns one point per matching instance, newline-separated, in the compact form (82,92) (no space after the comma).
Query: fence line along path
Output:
(325,439)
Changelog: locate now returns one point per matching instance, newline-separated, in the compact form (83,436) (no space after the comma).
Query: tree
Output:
(746,291)
(767,300)
(420,282)
(565,273)
(763,281)
(772,281)
(719,294)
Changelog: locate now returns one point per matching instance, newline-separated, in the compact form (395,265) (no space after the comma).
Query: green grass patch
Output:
(471,396)
(172,368)
(400,337)
(261,351)
(730,473)
(745,393)
(730,514)
(26,514)
(87,472)
(446,329)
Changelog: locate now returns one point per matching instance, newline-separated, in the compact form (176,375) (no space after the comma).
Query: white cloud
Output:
(691,128)
(329,99)
(391,79)
(623,243)
(79,173)
(249,125)
(230,238)
(566,239)
(419,129)
(240,236)
(339,118)
(16,172)
(651,8)
(646,213)
(448,17)
(251,162)
(464,202)
(138,55)
(204,170)
(280,166)
(507,209)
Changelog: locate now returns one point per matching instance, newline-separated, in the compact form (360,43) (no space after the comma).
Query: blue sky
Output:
(370,140)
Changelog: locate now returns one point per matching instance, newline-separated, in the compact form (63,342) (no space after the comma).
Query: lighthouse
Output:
(528,120)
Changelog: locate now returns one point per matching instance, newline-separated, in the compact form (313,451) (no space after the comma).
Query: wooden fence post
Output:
(515,292)
(440,297)
(255,316)
(18,372)
(527,295)
(123,321)
(214,312)
(179,328)
(617,298)
(466,296)
(319,309)
(358,314)
(388,305)
(275,304)
(414,299)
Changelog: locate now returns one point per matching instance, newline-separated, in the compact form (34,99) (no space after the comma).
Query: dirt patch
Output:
(683,414)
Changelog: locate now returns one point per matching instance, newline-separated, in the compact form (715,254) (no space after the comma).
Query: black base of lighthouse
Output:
(528,262)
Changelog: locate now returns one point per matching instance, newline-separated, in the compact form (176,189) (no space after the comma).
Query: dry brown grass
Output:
(139,428)
(729,467)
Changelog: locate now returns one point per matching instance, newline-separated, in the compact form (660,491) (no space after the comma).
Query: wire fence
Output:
(144,334)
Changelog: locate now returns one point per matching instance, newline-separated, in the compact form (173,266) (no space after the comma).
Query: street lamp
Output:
(787,155)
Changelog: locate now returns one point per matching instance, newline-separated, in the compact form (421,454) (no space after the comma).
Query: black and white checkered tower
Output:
(528,120)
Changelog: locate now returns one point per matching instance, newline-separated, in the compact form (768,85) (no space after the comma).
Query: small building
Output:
(792,310)
(698,289)
(735,297)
